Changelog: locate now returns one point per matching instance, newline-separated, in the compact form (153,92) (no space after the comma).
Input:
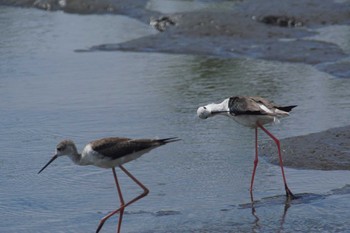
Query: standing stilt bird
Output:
(110,153)
(253,112)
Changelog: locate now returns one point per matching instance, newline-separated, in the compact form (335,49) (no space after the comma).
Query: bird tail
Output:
(287,108)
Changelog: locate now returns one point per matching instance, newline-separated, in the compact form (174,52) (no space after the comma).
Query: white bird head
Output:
(203,112)
(66,147)
(213,109)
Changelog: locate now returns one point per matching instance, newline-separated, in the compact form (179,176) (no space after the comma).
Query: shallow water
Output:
(48,92)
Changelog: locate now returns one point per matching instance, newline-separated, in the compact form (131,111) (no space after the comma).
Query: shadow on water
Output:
(159,213)
(279,200)
(302,198)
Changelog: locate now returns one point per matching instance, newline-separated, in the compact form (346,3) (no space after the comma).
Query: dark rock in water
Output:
(162,23)
(327,150)
(282,21)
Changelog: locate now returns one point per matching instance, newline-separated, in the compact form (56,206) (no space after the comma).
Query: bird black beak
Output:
(218,112)
(51,160)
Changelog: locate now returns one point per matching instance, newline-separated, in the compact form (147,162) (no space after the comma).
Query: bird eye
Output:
(205,108)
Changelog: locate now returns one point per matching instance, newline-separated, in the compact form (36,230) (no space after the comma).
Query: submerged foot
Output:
(290,195)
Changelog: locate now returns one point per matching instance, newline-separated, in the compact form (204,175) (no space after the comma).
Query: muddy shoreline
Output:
(326,150)
(244,31)
(240,32)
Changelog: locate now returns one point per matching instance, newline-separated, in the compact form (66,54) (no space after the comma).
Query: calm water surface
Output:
(48,93)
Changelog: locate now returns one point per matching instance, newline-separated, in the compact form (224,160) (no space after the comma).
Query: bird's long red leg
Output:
(121,209)
(145,192)
(288,192)
(122,203)
(256,160)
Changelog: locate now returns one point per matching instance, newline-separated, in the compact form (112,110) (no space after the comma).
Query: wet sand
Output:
(327,150)
(244,31)
(249,29)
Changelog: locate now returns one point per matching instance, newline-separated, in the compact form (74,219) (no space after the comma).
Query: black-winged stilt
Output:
(110,153)
(253,112)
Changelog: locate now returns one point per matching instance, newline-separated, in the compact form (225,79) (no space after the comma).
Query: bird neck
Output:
(76,158)
(74,155)
(220,108)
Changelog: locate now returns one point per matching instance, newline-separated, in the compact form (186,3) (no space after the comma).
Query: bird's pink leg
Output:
(145,190)
(288,192)
(121,209)
(122,203)
(256,160)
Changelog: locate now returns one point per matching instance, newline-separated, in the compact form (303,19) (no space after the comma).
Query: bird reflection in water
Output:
(256,224)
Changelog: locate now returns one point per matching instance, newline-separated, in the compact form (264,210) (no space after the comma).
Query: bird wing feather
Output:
(251,105)
(115,148)
(255,105)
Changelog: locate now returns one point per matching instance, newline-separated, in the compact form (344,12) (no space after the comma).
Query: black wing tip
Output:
(168,140)
(287,108)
